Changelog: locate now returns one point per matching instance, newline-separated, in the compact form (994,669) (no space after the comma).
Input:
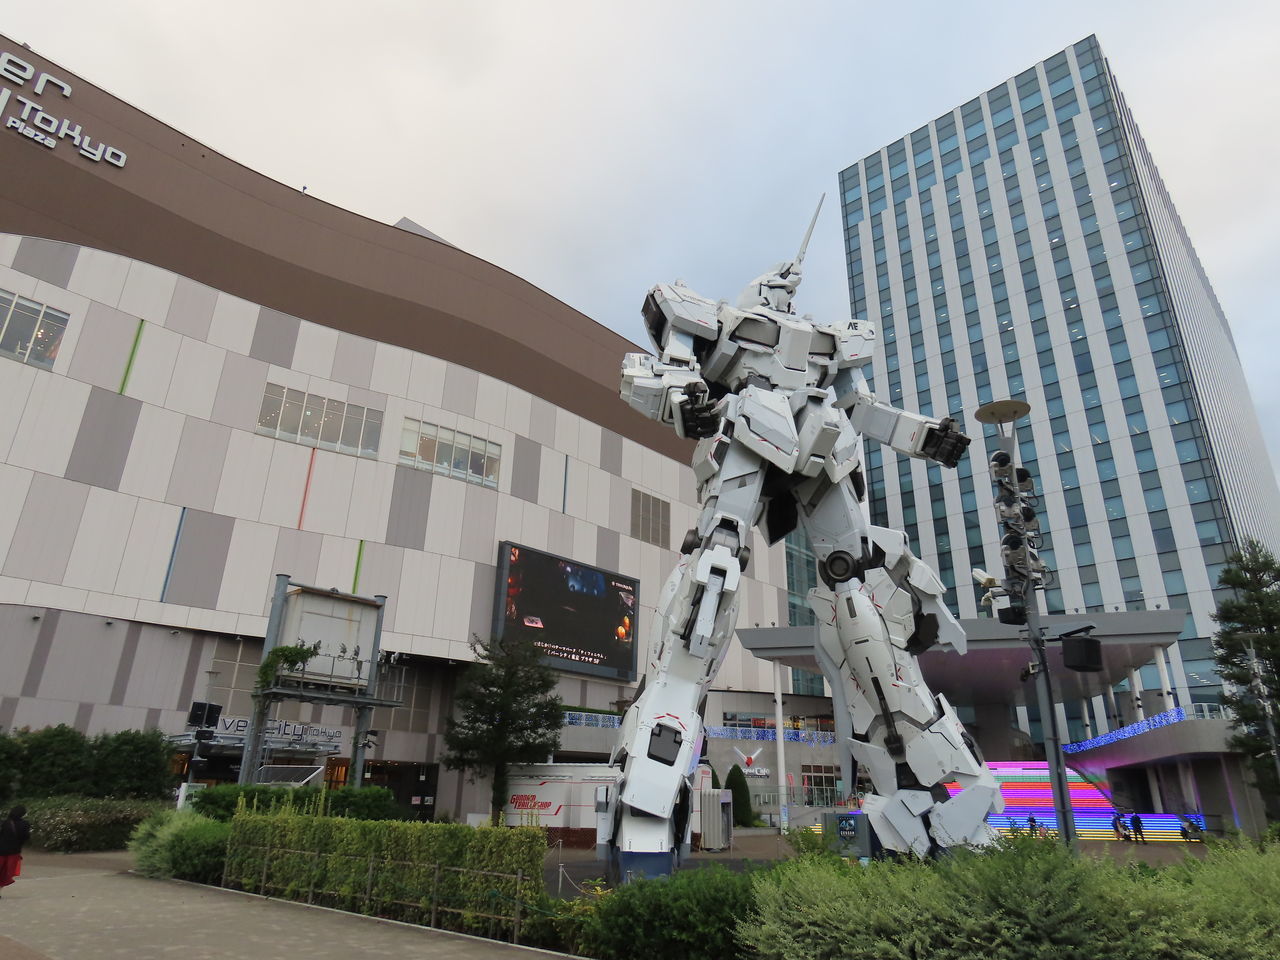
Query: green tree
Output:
(57,760)
(505,712)
(1247,653)
(11,761)
(736,782)
(132,763)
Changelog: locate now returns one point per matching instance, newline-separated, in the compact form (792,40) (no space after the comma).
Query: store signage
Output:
(29,117)
(285,730)
(762,772)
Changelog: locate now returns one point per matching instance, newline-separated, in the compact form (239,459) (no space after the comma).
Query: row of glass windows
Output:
(450,453)
(315,421)
(30,332)
(1171,373)
(650,519)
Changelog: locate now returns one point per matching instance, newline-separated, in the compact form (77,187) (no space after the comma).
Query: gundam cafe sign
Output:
(22,111)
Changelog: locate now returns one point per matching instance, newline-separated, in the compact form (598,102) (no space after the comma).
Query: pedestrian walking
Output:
(1135,824)
(14,832)
(1117,826)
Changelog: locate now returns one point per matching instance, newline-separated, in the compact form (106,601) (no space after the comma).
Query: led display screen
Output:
(583,619)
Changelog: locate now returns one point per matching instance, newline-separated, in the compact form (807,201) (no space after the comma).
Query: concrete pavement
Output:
(86,907)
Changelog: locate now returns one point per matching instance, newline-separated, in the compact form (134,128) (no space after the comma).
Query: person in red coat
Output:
(14,832)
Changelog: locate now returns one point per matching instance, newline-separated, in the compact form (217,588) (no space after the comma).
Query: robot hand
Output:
(699,416)
(944,443)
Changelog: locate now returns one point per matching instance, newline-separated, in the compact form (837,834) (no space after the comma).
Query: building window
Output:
(305,418)
(818,781)
(650,519)
(451,453)
(30,332)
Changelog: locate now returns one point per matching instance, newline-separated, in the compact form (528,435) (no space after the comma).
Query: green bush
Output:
(11,756)
(69,824)
(181,844)
(131,763)
(386,867)
(220,802)
(358,803)
(1232,897)
(805,841)
(363,803)
(687,916)
(554,924)
(1025,898)
(56,762)
(61,761)
(736,781)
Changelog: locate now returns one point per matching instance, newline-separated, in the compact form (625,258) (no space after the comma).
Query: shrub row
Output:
(181,844)
(358,803)
(62,761)
(1027,898)
(68,824)
(388,868)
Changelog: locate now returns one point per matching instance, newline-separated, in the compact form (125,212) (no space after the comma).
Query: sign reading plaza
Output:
(39,125)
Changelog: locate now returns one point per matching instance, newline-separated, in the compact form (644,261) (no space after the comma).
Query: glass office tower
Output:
(1024,245)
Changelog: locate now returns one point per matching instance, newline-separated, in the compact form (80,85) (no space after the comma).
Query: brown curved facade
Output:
(179,205)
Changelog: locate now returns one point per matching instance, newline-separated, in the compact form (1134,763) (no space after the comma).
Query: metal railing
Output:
(609,721)
(427,905)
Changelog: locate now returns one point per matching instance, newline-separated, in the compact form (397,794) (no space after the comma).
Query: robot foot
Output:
(912,821)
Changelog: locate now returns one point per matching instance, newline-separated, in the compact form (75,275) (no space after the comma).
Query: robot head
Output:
(773,290)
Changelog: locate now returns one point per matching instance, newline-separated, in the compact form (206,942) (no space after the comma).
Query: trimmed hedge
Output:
(690,915)
(62,761)
(181,844)
(358,803)
(388,868)
(1025,898)
(70,824)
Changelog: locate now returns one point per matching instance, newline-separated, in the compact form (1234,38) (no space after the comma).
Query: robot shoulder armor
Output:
(679,308)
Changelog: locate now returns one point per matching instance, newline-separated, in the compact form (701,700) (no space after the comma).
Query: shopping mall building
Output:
(208,378)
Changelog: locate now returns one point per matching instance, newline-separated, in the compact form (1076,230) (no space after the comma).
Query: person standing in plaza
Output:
(14,832)
(1135,824)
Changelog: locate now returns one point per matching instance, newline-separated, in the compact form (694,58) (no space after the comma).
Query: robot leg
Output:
(661,736)
(882,607)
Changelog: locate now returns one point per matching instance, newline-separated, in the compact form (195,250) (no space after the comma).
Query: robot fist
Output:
(699,416)
(944,443)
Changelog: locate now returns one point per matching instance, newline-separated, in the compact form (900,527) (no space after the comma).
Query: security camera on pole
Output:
(1014,597)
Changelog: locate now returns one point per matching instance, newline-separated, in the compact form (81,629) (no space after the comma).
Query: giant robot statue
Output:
(778,403)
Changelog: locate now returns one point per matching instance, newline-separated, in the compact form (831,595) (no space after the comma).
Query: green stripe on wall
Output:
(355,581)
(133,352)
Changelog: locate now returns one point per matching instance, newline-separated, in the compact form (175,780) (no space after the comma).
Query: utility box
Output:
(847,834)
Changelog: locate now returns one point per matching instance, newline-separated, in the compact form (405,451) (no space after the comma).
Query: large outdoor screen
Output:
(583,619)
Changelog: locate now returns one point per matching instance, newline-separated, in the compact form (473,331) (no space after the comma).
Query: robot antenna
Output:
(804,244)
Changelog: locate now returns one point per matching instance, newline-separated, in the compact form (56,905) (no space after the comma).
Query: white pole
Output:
(783,812)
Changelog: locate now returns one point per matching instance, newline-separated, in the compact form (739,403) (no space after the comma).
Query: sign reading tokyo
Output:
(37,124)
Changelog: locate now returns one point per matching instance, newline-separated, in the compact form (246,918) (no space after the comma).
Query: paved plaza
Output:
(88,907)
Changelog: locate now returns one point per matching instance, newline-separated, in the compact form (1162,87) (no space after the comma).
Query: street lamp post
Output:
(1015,505)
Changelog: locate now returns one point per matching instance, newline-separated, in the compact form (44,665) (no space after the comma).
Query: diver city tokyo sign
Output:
(30,118)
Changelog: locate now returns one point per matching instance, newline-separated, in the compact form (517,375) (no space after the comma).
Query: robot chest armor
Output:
(782,349)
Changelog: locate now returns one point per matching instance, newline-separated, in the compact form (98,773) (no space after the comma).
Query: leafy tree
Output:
(57,761)
(1247,653)
(736,782)
(11,762)
(715,779)
(504,713)
(132,763)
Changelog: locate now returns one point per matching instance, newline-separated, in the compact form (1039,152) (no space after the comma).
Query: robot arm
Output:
(670,388)
(910,434)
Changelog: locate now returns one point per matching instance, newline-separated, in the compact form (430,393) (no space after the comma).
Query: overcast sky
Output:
(597,147)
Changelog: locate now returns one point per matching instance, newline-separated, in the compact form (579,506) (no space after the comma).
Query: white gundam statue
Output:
(779,405)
